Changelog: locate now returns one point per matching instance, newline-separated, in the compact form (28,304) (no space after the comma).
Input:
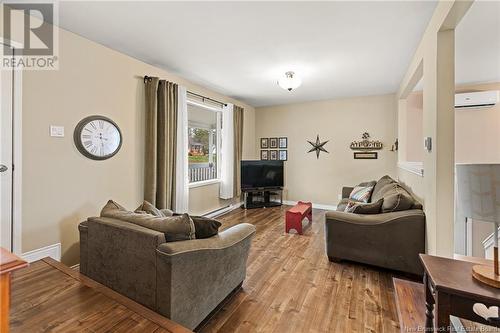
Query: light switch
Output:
(57,131)
(428,143)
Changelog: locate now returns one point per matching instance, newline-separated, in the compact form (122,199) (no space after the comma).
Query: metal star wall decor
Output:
(318,146)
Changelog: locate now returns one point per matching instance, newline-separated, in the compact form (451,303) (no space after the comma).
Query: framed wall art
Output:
(273,143)
(283,143)
(264,155)
(264,143)
(273,155)
(283,155)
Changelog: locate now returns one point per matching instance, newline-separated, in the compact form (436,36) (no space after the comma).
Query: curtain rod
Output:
(149,78)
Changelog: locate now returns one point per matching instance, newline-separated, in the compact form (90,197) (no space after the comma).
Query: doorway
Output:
(10,155)
(6,158)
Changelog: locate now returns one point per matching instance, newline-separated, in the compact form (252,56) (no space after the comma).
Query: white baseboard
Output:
(76,267)
(315,205)
(53,251)
(224,210)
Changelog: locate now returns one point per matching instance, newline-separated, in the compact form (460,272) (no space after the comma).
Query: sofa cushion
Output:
(364,208)
(205,227)
(148,208)
(175,228)
(361,193)
(380,188)
(416,204)
(370,183)
(396,198)
(342,204)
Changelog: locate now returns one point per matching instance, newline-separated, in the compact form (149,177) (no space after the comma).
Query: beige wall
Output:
(60,186)
(434,61)
(477,130)
(414,133)
(341,122)
(477,137)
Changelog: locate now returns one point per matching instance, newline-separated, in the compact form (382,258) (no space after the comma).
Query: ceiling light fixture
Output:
(289,81)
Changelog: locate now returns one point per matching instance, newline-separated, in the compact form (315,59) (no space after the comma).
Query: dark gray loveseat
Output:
(391,239)
(182,280)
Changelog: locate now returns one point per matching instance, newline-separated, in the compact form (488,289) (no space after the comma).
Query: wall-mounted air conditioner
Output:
(476,99)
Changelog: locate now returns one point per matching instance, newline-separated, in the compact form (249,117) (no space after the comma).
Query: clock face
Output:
(97,137)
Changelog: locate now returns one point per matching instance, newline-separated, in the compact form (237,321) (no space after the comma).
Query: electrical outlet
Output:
(57,131)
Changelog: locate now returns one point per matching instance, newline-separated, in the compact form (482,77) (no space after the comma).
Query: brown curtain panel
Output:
(161,134)
(238,147)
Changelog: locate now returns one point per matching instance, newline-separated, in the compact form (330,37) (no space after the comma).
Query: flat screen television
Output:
(261,174)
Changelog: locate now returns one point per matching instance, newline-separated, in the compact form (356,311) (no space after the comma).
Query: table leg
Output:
(4,302)
(429,305)
(443,312)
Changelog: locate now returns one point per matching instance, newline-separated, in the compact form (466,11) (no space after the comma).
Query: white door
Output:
(6,175)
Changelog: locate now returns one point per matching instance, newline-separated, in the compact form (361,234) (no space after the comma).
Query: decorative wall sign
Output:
(366,155)
(366,143)
(283,143)
(264,143)
(273,155)
(283,155)
(318,146)
(264,154)
(273,142)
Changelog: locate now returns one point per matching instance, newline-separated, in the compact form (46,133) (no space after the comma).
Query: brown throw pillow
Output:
(205,227)
(380,187)
(397,199)
(175,228)
(364,208)
(369,208)
(148,208)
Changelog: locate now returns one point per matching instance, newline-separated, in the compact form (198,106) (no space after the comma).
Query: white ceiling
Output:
(339,49)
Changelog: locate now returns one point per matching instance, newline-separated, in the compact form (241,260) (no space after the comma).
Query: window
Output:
(203,143)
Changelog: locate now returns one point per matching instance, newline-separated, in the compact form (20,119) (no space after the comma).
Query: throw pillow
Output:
(205,227)
(175,228)
(397,199)
(148,208)
(364,208)
(361,193)
(378,190)
(349,206)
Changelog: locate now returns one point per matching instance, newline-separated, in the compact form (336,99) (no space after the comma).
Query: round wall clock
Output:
(97,137)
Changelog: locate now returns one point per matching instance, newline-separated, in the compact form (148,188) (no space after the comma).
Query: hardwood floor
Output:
(292,287)
(410,302)
(50,297)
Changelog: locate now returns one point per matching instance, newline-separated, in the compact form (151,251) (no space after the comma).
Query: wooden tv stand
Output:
(259,198)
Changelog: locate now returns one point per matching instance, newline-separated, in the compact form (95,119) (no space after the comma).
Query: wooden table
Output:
(49,296)
(8,264)
(451,289)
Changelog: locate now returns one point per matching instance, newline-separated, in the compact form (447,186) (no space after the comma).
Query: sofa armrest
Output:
(122,256)
(83,229)
(373,219)
(346,192)
(194,276)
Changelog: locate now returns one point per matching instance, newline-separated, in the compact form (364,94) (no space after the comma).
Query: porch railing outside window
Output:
(201,173)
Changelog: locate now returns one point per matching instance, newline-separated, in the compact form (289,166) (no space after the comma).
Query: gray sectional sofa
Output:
(391,238)
(182,280)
